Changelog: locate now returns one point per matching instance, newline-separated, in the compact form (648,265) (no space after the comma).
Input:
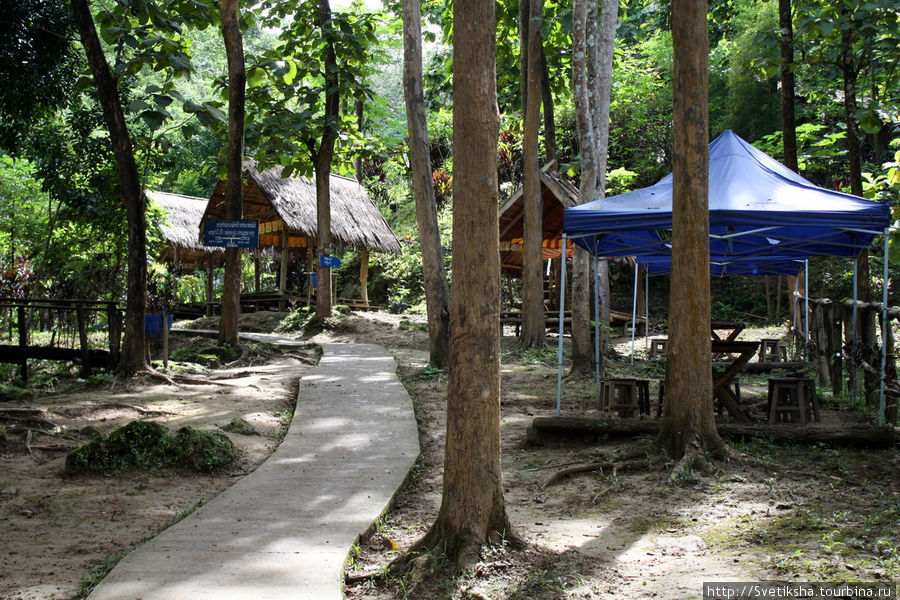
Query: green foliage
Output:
(210,353)
(296,321)
(238,425)
(148,446)
(38,64)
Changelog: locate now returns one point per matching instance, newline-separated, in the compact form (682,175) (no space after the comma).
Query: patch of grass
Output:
(407,325)
(99,572)
(148,446)
(297,320)
(538,355)
(284,418)
(238,425)
(11,391)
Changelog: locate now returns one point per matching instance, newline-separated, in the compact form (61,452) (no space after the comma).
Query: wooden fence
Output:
(59,330)
(832,347)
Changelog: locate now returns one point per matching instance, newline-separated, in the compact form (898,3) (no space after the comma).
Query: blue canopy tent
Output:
(763,217)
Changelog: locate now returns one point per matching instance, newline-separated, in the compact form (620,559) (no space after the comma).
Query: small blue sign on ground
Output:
(231,234)
(326,260)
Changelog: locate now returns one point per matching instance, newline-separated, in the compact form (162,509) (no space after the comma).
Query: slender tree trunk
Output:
(437,292)
(133,356)
(788,122)
(234,157)
(584,11)
(323,157)
(687,423)
(600,111)
(472,508)
(854,154)
(533,321)
(550,148)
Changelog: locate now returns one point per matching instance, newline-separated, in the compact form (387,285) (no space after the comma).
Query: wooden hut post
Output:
(364,276)
(282,284)
(23,341)
(83,340)
(309,268)
(210,274)
(256,269)
(114,325)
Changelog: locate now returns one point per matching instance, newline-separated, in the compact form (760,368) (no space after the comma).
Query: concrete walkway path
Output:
(284,530)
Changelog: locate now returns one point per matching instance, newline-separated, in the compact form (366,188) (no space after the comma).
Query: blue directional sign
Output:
(327,260)
(231,234)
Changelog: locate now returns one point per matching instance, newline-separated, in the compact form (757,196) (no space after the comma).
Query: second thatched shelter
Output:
(285,208)
(289,205)
(179,227)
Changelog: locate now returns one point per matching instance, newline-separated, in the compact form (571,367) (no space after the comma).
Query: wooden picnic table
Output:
(733,328)
(744,351)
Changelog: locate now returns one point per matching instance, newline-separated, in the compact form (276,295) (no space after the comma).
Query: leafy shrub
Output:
(148,446)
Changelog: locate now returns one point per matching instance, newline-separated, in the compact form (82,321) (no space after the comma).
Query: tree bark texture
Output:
(437,292)
(550,148)
(609,18)
(788,121)
(687,422)
(533,320)
(472,507)
(584,11)
(323,157)
(234,158)
(133,357)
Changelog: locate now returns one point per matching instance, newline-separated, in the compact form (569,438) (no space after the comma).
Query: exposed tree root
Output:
(614,467)
(138,409)
(22,417)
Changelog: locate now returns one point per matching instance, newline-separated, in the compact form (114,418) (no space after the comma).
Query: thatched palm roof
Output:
(181,225)
(275,201)
(556,193)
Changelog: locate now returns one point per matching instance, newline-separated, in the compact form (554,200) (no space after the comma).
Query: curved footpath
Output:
(284,530)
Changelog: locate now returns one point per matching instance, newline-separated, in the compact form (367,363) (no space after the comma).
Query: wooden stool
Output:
(623,396)
(658,347)
(792,400)
(772,350)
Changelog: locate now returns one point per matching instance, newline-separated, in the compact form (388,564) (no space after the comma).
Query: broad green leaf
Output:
(256,77)
(153,118)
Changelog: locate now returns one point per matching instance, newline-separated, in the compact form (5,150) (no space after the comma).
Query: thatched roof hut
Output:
(180,227)
(556,193)
(277,202)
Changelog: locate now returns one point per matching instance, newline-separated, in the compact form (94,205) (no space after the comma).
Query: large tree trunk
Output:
(584,11)
(234,157)
(437,292)
(687,423)
(472,507)
(133,356)
(600,116)
(533,322)
(788,122)
(322,158)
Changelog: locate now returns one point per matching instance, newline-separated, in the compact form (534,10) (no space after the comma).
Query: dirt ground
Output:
(797,513)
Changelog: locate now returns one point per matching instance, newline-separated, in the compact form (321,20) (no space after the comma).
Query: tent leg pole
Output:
(806,310)
(597,325)
(562,325)
(634,308)
(853,343)
(647,309)
(885,325)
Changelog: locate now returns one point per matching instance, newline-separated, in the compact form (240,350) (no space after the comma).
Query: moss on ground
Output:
(148,446)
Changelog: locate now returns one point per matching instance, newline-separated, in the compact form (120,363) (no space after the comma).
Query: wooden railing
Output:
(33,328)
